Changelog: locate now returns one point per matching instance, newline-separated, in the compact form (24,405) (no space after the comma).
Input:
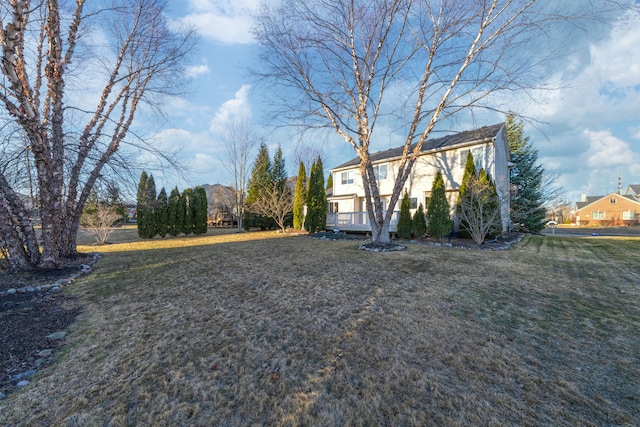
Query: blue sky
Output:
(588,131)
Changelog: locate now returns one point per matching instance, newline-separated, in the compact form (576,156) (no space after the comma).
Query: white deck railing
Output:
(356,221)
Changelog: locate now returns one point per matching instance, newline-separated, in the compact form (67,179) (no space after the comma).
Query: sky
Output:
(587,132)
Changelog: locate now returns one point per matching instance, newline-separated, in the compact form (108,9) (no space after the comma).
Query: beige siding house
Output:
(488,145)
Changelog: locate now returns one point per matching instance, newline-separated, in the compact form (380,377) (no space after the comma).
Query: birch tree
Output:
(54,55)
(350,64)
(241,140)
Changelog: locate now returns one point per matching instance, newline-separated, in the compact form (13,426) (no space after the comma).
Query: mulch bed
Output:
(26,319)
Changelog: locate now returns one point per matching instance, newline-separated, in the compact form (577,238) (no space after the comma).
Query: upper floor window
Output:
(347,177)
(612,200)
(380,172)
(478,156)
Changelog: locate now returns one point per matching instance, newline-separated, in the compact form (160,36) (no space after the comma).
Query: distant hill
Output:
(219,197)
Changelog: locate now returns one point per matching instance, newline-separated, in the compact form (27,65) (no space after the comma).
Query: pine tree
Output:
(316,219)
(469,173)
(418,222)
(438,214)
(278,169)
(173,227)
(260,179)
(299,197)
(162,213)
(405,225)
(527,211)
(141,205)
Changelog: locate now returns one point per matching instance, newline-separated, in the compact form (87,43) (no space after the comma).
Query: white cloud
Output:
(606,151)
(232,110)
(224,21)
(197,70)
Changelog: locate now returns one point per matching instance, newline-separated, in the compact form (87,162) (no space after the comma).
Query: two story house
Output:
(488,146)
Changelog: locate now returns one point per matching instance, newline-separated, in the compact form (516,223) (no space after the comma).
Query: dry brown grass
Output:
(248,330)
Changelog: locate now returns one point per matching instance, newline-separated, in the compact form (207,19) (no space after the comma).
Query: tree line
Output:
(161,215)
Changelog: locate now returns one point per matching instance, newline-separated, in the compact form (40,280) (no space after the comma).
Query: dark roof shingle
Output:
(480,134)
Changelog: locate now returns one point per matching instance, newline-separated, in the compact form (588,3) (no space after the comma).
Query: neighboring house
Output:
(612,209)
(633,191)
(490,150)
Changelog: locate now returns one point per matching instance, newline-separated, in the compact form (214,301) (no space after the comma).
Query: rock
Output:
(45,353)
(61,282)
(22,375)
(45,287)
(11,291)
(2,395)
(55,289)
(23,383)
(57,335)
(30,289)
(38,362)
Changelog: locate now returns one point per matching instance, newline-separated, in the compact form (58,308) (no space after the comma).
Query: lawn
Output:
(260,329)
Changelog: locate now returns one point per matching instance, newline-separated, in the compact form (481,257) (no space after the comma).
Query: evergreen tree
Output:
(469,173)
(187,196)
(173,227)
(260,179)
(279,170)
(405,225)
(299,198)
(181,215)
(438,214)
(527,211)
(200,211)
(162,213)
(330,182)
(141,205)
(491,202)
(151,227)
(418,222)
(316,219)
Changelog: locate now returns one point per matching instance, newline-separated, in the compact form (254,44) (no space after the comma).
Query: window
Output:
(347,177)
(380,172)
(612,200)
(427,199)
(597,215)
(333,207)
(413,203)
(478,157)
(629,215)
(463,156)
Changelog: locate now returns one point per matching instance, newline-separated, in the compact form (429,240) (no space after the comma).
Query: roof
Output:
(635,188)
(482,134)
(593,199)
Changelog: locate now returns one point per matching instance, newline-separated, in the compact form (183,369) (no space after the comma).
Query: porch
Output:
(356,221)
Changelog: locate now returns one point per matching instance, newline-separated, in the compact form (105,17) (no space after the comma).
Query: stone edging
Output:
(59,284)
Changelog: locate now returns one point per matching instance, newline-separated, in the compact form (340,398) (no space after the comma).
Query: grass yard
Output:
(259,329)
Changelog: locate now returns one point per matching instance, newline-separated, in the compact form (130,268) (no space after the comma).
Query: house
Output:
(612,209)
(490,150)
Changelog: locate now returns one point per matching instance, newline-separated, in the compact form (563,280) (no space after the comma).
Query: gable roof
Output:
(483,134)
(593,199)
(635,188)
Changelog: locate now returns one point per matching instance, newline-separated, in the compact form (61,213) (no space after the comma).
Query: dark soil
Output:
(26,319)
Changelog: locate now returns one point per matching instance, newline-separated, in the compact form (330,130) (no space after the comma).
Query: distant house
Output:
(490,150)
(612,209)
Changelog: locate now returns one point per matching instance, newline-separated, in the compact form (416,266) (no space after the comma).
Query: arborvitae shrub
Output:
(405,225)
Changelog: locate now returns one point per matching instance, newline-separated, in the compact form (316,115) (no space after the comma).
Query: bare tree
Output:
(101,221)
(241,141)
(50,53)
(275,201)
(348,65)
(479,208)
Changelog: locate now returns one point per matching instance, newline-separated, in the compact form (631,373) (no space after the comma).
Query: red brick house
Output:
(612,209)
